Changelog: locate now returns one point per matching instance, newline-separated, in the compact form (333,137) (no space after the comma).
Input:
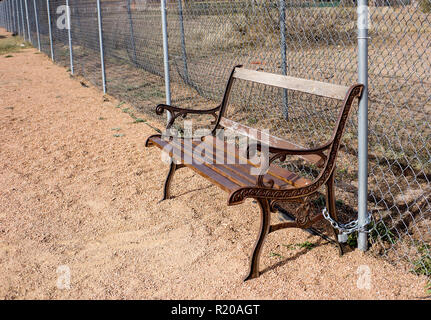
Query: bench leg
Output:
(166,190)
(330,204)
(265,223)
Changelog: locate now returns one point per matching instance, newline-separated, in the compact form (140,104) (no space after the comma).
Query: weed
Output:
(120,104)
(305,245)
(115,129)
(320,201)
(252,120)
(352,239)
(339,203)
(8,56)
(275,254)
(102,118)
(379,230)
(428,288)
(12,44)
(425,6)
(118,135)
(422,265)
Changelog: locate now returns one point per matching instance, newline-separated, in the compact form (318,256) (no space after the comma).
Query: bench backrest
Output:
(317,88)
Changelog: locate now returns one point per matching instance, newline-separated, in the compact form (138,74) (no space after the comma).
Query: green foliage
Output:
(252,120)
(275,254)
(12,44)
(120,104)
(422,265)
(379,230)
(305,245)
(425,6)
(428,288)
(352,239)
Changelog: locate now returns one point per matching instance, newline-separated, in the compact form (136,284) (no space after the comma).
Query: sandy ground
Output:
(76,197)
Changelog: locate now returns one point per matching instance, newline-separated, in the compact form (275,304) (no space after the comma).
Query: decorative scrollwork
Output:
(181,112)
(262,190)
(260,179)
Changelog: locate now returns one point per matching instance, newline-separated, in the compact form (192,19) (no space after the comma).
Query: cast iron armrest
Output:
(281,153)
(177,111)
(284,151)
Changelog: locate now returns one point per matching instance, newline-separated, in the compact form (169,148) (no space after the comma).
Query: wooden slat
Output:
(204,171)
(318,88)
(242,168)
(281,176)
(273,141)
(228,176)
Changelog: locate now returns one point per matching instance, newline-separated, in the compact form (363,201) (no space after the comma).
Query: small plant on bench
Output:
(221,161)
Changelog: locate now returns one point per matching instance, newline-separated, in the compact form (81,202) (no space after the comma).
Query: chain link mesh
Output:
(303,38)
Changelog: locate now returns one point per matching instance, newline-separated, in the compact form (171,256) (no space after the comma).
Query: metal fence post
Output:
(13,17)
(37,24)
(69,34)
(9,16)
(132,33)
(283,53)
(183,42)
(102,58)
(363,122)
(166,55)
(17,17)
(22,20)
(50,30)
(28,22)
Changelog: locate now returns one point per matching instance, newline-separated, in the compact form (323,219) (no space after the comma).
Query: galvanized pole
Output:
(9,27)
(17,17)
(283,53)
(37,24)
(363,122)
(50,30)
(14,28)
(102,58)
(28,23)
(16,14)
(183,42)
(166,54)
(132,33)
(69,34)
(22,19)
(7,16)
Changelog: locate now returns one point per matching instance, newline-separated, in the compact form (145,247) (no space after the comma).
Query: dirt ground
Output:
(79,192)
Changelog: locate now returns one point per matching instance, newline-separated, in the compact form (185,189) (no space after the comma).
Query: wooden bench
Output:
(274,184)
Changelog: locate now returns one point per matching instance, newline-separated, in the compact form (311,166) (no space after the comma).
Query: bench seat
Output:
(233,173)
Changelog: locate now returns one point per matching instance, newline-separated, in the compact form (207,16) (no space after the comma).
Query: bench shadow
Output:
(319,243)
(193,190)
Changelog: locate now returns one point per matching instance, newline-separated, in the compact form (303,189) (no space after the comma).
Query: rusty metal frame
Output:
(263,192)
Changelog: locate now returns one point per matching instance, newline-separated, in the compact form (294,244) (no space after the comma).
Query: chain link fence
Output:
(310,39)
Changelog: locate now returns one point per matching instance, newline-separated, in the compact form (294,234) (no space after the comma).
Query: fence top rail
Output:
(318,88)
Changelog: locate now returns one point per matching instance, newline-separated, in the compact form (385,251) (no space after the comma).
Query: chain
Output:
(347,228)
